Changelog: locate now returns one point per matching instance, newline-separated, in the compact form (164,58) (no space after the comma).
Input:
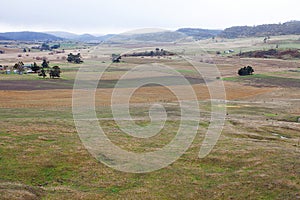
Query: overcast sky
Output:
(116,16)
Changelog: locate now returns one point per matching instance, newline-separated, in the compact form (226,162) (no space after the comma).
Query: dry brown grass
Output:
(63,98)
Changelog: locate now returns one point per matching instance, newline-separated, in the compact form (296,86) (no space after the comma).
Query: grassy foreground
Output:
(42,157)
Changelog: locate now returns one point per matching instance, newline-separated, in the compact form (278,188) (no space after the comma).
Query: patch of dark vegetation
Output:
(157,52)
(272,53)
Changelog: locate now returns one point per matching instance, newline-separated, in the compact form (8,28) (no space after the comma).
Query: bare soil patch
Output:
(26,85)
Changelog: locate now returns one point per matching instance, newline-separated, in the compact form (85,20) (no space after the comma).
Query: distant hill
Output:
(86,38)
(106,37)
(3,38)
(288,28)
(62,34)
(197,33)
(29,36)
(82,38)
(167,36)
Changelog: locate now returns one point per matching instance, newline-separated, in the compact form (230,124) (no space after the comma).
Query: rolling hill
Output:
(288,28)
(3,38)
(83,38)
(63,34)
(29,36)
(199,34)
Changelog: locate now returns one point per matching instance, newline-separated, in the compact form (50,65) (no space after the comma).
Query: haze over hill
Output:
(288,28)
(28,36)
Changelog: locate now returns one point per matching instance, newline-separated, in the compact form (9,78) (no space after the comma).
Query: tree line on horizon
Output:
(288,28)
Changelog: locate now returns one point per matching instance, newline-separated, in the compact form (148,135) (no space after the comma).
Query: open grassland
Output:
(256,157)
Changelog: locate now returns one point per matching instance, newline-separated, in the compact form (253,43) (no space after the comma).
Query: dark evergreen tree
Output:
(246,71)
(55,72)
(45,64)
(35,67)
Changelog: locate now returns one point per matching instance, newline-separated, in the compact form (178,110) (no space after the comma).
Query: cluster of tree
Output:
(41,70)
(246,71)
(157,52)
(288,28)
(47,47)
(53,72)
(35,68)
(72,58)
